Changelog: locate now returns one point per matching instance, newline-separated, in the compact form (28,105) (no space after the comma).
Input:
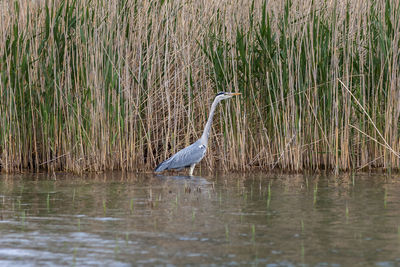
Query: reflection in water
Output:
(195,180)
(120,219)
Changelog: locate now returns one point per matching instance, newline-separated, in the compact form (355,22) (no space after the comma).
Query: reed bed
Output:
(104,85)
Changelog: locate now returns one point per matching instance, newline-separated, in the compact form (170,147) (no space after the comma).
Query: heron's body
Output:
(193,154)
(187,157)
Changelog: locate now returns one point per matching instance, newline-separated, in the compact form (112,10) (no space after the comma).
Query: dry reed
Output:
(102,85)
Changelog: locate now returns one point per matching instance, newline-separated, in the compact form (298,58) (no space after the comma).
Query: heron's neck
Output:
(206,132)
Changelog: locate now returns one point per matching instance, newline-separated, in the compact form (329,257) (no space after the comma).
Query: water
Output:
(266,220)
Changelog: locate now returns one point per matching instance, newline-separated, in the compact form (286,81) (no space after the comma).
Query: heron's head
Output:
(225,95)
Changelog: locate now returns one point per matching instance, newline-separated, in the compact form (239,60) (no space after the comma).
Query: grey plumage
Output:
(193,154)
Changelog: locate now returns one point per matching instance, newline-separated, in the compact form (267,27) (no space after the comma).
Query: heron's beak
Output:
(233,94)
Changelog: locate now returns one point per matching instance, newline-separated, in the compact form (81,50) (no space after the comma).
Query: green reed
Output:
(288,66)
(48,202)
(315,194)
(253,233)
(92,86)
(131,205)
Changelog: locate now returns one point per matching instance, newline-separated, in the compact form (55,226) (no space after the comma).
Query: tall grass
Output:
(123,84)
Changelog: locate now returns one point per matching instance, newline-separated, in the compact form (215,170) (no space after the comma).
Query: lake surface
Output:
(122,219)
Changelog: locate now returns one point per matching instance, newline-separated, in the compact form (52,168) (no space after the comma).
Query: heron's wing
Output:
(184,158)
(188,156)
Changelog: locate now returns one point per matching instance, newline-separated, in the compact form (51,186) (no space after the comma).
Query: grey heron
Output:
(193,154)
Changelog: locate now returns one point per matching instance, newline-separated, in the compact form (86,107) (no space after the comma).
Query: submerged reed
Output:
(102,85)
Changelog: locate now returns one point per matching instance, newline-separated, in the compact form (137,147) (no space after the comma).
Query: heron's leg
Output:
(191,169)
